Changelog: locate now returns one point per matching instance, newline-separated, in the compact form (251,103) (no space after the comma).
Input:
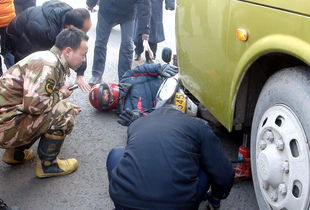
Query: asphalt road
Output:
(94,135)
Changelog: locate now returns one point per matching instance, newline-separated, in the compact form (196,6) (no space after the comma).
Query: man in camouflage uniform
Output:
(32,104)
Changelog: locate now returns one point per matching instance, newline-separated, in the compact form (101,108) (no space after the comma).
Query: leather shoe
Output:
(137,57)
(94,80)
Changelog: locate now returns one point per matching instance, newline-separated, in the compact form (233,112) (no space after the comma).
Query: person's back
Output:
(160,167)
(145,81)
(36,28)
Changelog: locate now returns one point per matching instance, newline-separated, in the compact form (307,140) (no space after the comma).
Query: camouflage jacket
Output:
(31,87)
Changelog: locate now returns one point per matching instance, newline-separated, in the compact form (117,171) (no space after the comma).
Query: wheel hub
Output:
(269,166)
(282,159)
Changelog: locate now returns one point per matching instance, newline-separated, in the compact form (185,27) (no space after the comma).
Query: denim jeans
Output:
(103,32)
(117,153)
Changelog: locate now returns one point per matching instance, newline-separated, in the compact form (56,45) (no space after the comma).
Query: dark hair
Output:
(70,37)
(76,17)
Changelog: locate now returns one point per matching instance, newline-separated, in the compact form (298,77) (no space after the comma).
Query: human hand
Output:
(77,109)
(65,91)
(80,80)
(212,202)
(168,70)
(147,48)
(128,116)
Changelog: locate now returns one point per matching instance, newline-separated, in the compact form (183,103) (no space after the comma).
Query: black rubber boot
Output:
(18,155)
(48,164)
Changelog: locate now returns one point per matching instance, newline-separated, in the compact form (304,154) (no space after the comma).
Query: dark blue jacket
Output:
(161,163)
(145,81)
(119,11)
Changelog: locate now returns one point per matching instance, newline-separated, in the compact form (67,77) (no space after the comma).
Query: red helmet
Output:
(104,96)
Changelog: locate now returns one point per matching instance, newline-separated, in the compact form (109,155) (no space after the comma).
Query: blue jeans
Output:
(103,31)
(117,153)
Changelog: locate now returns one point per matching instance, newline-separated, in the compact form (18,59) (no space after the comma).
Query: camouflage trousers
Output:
(30,127)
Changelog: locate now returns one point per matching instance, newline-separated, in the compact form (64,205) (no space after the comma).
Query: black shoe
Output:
(137,57)
(94,80)
(148,60)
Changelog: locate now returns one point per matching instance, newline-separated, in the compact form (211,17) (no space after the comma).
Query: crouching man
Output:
(32,104)
(170,162)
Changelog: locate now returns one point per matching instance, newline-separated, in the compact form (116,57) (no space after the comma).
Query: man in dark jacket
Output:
(21,5)
(36,29)
(170,162)
(112,13)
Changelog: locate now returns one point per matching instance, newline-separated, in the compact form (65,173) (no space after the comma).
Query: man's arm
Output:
(144,7)
(80,80)
(145,19)
(81,70)
(143,70)
(215,163)
(164,70)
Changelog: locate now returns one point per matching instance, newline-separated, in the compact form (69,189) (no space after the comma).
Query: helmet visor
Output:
(107,98)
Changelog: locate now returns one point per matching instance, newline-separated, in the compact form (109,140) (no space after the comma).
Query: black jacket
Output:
(119,11)
(161,163)
(36,28)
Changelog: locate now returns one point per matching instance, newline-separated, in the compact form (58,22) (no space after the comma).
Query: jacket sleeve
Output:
(145,17)
(15,31)
(143,70)
(170,4)
(80,71)
(215,163)
(40,90)
(92,3)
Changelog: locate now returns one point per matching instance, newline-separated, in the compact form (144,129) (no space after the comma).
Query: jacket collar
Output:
(63,63)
